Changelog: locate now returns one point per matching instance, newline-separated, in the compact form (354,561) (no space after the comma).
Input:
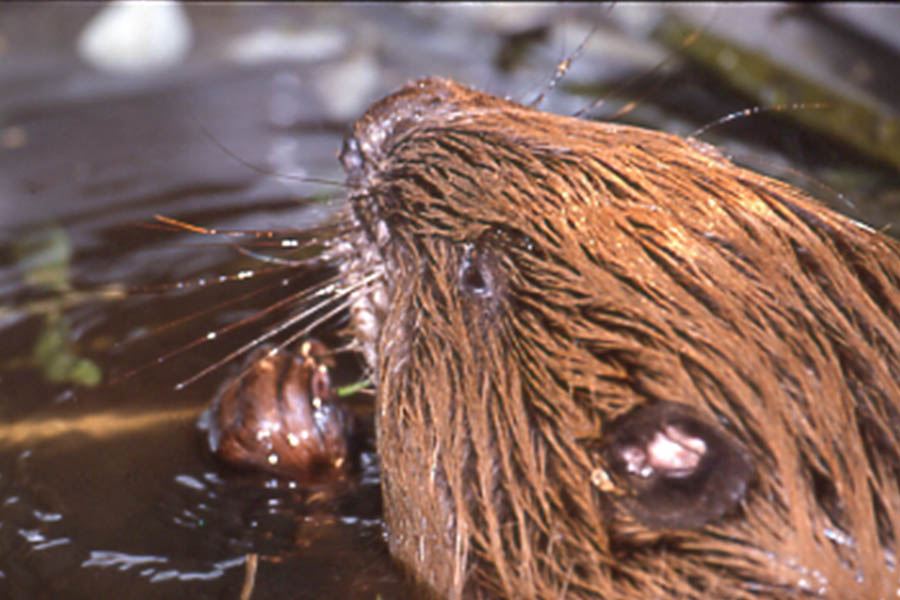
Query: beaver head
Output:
(609,363)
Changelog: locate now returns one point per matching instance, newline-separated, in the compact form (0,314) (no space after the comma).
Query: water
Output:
(108,488)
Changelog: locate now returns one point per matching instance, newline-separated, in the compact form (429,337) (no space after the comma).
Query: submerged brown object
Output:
(569,320)
(278,415)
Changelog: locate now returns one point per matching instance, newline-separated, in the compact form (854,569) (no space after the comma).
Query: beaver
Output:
(609,363)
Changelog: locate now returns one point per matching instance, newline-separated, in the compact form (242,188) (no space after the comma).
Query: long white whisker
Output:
(328,289)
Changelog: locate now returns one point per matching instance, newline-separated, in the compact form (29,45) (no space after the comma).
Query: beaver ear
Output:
(679,470)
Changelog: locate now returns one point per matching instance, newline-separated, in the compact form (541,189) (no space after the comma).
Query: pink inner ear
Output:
(636,461)
(680,470)
(673,450)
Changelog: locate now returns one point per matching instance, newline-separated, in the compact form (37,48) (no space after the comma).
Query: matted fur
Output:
(543,275)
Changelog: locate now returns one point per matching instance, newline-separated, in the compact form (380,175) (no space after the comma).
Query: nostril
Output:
(351,157)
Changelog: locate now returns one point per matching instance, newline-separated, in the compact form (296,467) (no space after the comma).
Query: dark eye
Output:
(473,281)
(474,275)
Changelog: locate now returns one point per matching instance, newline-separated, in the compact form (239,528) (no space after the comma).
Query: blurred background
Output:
(113,113)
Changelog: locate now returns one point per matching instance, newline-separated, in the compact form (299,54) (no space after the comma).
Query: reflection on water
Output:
(96,425)
(108,488)
(124,562)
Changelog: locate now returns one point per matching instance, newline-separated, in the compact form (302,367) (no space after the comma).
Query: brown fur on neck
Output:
(542,276)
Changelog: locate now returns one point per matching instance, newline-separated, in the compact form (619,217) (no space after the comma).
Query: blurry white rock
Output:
(136,37)
(346,88)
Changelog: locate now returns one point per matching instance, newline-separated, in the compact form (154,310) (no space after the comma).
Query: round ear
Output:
(678,469)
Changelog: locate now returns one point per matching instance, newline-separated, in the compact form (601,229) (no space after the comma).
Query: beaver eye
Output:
(680,470)
(475,277)
(472,279)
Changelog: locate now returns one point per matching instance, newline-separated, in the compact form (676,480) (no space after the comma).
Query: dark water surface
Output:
(105,490)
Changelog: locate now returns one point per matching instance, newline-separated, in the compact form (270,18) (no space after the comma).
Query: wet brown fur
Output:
(541,276)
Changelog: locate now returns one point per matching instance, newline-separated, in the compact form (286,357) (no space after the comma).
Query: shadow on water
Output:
(105,487)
